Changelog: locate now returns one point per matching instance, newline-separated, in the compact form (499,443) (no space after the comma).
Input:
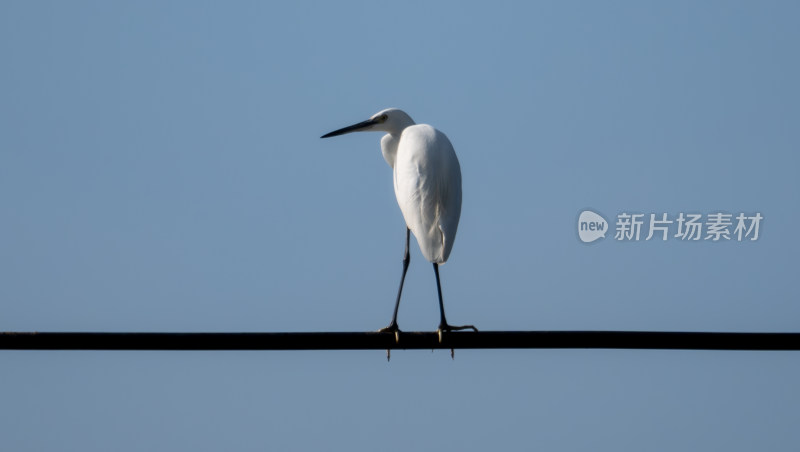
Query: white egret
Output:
(427,183)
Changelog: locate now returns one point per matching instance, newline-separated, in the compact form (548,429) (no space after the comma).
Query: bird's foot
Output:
(392,328)
(447,327)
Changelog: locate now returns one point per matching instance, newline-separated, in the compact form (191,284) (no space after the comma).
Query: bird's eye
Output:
(384,118)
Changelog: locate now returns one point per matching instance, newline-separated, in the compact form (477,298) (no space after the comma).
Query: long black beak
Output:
(348,129)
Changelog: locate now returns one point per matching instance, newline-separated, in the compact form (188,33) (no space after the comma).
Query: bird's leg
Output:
(393,328)
(443,325)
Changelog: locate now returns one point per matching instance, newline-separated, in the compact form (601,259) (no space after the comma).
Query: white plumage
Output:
(427,184)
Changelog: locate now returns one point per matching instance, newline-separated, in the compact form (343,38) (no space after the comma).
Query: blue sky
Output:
(161,170)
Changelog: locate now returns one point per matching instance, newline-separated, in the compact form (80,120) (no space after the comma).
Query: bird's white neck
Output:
(395,122)
(389,144)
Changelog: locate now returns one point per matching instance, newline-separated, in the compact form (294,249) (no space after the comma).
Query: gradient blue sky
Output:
(161,170)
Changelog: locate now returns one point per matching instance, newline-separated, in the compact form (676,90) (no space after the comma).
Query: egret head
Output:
(391,120)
